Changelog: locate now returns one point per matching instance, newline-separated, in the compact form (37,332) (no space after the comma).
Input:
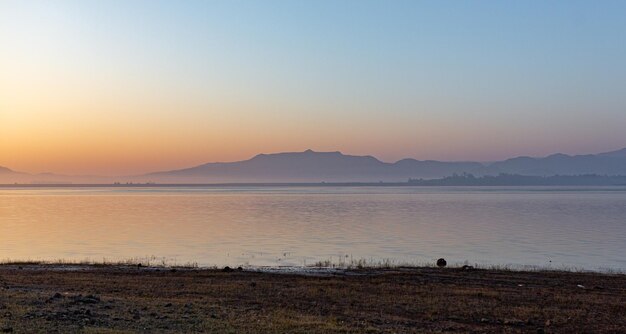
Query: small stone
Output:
(514,322)
(441,263)
(168,305)
(89,299)
(227,269)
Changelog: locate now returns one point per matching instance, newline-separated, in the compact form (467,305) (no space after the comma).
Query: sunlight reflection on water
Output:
(581,227)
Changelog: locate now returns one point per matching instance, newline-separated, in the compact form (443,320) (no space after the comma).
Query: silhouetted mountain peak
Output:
(557,156)
(618,154)
(308,154)
(5,170)
(313,166)
(517,159)
(406,160)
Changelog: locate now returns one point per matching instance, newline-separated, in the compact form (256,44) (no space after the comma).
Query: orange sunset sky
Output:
(93,88)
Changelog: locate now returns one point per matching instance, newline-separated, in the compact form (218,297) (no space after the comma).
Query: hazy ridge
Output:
(310,166)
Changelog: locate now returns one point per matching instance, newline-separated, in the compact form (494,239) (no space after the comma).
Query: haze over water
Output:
(557,227)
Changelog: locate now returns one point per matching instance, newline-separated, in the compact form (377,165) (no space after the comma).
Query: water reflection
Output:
(581,227)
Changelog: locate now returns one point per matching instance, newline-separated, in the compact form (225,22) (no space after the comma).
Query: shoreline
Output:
(125,298)
(153,263)
(299,184)
(298,270)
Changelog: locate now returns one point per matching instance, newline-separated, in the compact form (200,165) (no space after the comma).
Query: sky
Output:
(126,87)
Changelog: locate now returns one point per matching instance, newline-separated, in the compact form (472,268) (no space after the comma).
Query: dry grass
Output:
(151,261)
(109,299)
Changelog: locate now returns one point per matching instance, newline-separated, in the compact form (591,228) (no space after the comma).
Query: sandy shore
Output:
(117,299)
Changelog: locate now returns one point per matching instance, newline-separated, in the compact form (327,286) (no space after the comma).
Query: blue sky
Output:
(449,80)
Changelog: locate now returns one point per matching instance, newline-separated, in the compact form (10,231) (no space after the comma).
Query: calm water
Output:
(571,227)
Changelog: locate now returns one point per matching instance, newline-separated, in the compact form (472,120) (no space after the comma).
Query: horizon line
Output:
(308,150)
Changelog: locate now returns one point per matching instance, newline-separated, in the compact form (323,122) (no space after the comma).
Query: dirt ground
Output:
(92,299)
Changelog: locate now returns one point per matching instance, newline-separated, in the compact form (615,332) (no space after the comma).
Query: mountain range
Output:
(310,166)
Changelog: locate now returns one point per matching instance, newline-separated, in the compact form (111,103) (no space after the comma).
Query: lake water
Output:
(573,227)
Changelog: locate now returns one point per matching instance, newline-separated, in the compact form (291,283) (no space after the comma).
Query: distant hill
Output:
(609,163)
(523,180)
(615,154)
(310,166)
(314,167)
(4,170)
(8,176)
